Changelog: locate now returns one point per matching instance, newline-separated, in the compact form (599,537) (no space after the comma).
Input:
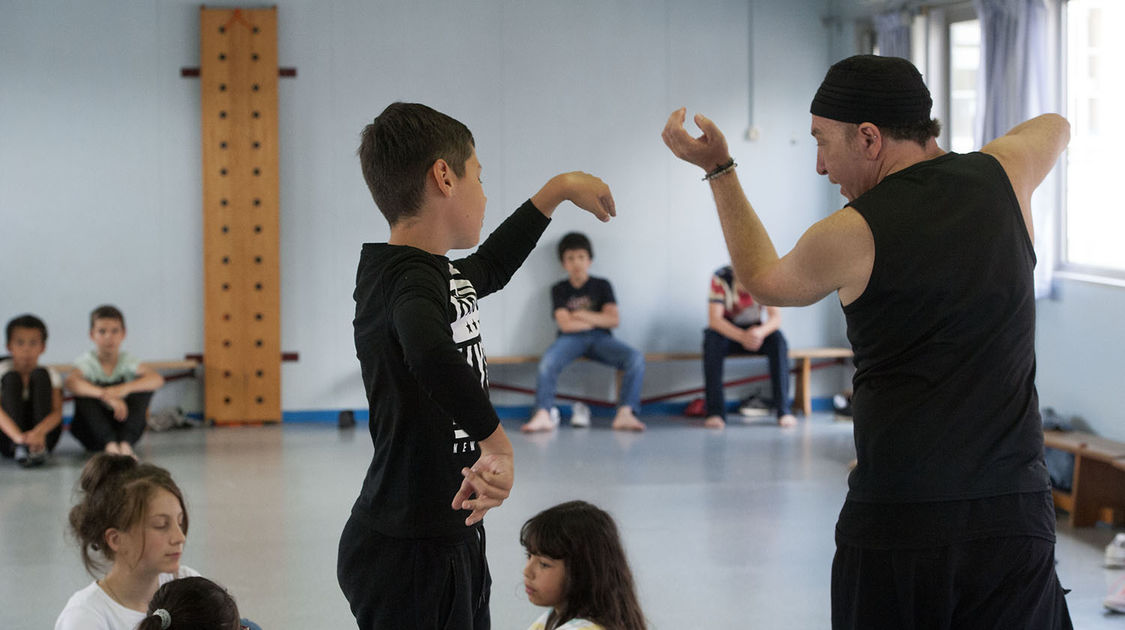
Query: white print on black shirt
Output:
(579,303)
(466,334)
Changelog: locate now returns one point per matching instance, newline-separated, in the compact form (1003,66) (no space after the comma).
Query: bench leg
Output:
(802,396)
(1097,485)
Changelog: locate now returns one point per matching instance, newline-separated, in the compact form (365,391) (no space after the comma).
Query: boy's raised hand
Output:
(592,195)
(485,486)
(582,189)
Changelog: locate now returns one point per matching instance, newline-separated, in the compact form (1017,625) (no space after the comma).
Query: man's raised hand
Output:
(708,151)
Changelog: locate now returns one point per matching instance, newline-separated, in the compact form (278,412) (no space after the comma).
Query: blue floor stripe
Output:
(508,412)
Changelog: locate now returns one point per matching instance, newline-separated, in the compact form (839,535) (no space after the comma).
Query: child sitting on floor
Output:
(576,566)
(585,311)
(112,390)
(30,395)
(193,603)
(131,516)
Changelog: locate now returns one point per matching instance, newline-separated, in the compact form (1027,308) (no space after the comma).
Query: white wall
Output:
(100,183)
(1080,349)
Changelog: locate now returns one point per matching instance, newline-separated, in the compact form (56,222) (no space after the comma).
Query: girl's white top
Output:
(573,624)
(93,609)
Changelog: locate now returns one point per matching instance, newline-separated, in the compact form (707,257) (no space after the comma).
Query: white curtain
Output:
(892,34)
(1013,83)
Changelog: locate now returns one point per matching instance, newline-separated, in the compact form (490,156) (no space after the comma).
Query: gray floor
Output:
(723,530)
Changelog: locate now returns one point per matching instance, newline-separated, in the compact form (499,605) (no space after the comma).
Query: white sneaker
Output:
(1115,552)
(1116,599)
(555,416)
(580,415)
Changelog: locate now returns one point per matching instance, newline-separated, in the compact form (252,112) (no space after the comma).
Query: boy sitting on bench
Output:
(585,311)
(739,324)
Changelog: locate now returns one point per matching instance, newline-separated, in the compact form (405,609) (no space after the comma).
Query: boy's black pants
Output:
(27,413)
(414,584)
(94,425)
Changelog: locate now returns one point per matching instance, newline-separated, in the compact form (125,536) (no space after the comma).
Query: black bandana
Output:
(884,91)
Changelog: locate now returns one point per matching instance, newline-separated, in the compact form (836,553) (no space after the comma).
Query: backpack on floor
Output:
(695,409)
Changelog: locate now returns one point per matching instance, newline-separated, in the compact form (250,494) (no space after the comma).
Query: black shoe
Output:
(35,459)
(22,455)
(754,407)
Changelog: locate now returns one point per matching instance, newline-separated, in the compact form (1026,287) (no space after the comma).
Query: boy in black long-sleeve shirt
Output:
(410,556)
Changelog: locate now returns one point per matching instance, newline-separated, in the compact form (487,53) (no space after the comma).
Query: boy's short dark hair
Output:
(26,320)
(572,241)
(400,145)
(106,311)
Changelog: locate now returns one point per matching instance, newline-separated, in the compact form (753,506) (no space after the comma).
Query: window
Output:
(949,50)
(1094,218)
(964,68)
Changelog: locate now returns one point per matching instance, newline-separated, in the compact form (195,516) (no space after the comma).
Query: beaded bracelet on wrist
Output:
(720,170)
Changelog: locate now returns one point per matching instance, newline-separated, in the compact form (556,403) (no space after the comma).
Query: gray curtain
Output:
(1013,88)
(892,34)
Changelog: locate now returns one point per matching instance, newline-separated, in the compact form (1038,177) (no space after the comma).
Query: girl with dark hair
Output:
(192,603)
(576,566)
(131,517)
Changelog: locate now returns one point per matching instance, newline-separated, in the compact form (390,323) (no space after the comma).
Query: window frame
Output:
(1064,267)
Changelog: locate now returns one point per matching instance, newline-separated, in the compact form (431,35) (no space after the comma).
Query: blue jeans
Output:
(717,347)
(597,345)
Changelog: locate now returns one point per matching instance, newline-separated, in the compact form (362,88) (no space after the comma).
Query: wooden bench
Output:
(1097,489)
(171,370)
(802,359)
(173,365)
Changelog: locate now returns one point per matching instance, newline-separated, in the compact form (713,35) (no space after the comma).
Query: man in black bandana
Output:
(948,521)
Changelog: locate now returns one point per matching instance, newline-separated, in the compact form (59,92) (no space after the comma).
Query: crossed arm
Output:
(36,437)
(113,396)
(750,338)
(580,321)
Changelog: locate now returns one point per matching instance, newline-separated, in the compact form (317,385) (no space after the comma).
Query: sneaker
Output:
(21,454)
(1116,599)
(35,459)
(754,407)
(580,415)
(842,405)
(554,416)
(1115,553)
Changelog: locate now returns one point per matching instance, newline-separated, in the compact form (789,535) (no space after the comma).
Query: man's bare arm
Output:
(835,254)
(1027,153)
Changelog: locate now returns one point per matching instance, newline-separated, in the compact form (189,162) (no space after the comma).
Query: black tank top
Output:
(944,401)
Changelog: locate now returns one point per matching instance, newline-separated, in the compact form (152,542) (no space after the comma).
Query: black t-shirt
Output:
(417,337)
(591,296)
(944,402)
